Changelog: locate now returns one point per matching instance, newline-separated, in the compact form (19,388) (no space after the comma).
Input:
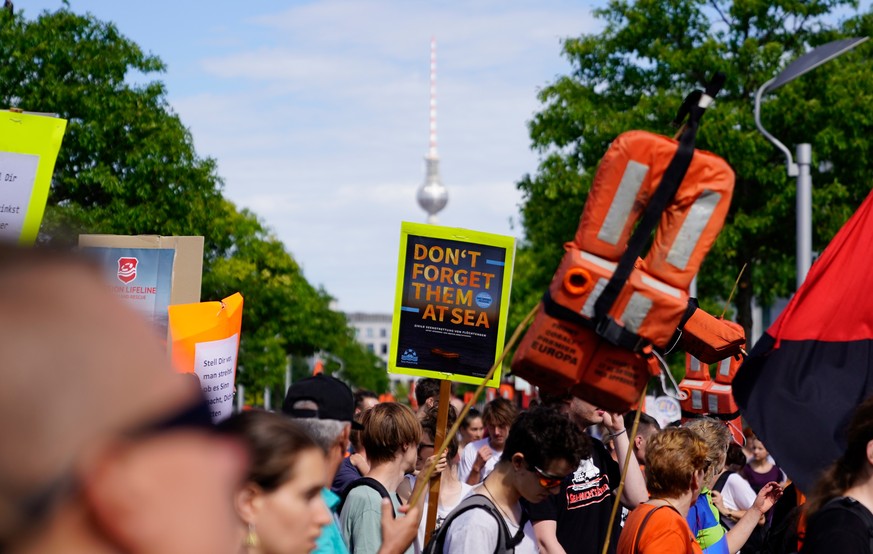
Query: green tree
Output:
(634,75)
(127,165)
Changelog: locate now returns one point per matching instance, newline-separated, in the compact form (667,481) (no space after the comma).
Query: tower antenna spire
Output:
(432,195)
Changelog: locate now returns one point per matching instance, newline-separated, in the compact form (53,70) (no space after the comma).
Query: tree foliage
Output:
(634,75)
(127,165)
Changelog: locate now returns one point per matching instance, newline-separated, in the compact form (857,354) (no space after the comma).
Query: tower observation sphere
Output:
(432,195)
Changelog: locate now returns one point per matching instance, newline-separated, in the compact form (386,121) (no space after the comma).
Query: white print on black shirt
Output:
(588,486)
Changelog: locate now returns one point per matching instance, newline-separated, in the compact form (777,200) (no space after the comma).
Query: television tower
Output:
(432,195)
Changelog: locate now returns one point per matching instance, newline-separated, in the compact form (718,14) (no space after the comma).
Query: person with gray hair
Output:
(324,406)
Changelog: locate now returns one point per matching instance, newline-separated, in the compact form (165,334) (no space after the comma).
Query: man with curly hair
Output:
(542,448)
(577,518)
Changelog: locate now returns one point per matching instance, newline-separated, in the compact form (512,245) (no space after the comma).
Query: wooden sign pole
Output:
(434,491)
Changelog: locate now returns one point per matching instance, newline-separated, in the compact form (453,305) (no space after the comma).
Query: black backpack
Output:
(506,543)
(366,482)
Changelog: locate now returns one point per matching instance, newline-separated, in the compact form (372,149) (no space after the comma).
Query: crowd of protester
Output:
(106,449)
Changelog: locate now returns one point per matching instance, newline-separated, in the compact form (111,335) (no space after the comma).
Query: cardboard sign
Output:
(451,303)
(29,145)
(150,272)
(141,276)
(205,342)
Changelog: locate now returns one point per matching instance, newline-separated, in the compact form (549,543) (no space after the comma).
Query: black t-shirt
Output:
(838,529)
(582,508)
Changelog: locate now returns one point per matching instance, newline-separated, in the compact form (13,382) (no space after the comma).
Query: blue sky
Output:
(317,113)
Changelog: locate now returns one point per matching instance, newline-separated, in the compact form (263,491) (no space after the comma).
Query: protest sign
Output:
(205,341)
(451,303)
(150,272)
(29,145)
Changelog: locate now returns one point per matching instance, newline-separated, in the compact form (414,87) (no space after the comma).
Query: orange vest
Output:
(593,335)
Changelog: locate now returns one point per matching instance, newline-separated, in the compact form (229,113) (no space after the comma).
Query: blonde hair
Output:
(388,427)
(672,458)
(717,438)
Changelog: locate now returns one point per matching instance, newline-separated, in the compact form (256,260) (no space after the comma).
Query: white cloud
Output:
(324,128)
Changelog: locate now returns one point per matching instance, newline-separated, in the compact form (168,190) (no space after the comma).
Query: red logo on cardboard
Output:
(127,269)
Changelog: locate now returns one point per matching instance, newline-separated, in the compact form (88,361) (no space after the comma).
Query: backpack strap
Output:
(721,481)
(505,543)
(366,482)
(719,486)
(641,527)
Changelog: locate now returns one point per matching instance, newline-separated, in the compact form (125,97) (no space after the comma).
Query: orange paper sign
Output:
(205,339)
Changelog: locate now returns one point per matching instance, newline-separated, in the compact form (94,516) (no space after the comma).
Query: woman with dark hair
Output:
(279,503)
(472,429)
(841,507)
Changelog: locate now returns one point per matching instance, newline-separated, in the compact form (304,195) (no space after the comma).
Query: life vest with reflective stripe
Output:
(707,396)
(564,350)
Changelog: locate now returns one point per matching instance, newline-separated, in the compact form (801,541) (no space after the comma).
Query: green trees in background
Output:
(634,75)
(127,165)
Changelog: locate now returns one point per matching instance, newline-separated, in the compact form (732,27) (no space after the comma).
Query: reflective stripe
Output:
(697,399)
(724,367)
(712,400)
(713,396)
(635,312)
(693,226)
(660,286)
(598,261)
(588,308)
(622,202)
(695,364)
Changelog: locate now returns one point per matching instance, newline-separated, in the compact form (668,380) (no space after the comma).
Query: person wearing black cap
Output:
(325,407)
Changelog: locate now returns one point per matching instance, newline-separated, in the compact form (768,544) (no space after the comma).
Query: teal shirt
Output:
(361,520)
(331,539)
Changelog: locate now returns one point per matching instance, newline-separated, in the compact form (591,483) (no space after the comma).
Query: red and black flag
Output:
(808,372)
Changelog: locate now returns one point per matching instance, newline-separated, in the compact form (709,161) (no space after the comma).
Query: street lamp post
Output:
(801,169)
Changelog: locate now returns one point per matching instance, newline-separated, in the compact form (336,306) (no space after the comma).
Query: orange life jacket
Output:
(606,308)
(705,396)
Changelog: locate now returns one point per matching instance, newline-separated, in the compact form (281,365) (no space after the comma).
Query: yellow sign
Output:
(451,303)
(29,146)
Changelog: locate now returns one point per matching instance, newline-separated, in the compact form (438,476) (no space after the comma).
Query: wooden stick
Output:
(733,290)
(627,457)
(433,499)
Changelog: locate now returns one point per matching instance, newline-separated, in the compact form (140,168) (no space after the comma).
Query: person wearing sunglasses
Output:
(105,447)
(577,519)
(542,448)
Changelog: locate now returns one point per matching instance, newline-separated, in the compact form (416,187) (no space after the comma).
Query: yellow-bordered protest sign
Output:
(29,145)
(451,303)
